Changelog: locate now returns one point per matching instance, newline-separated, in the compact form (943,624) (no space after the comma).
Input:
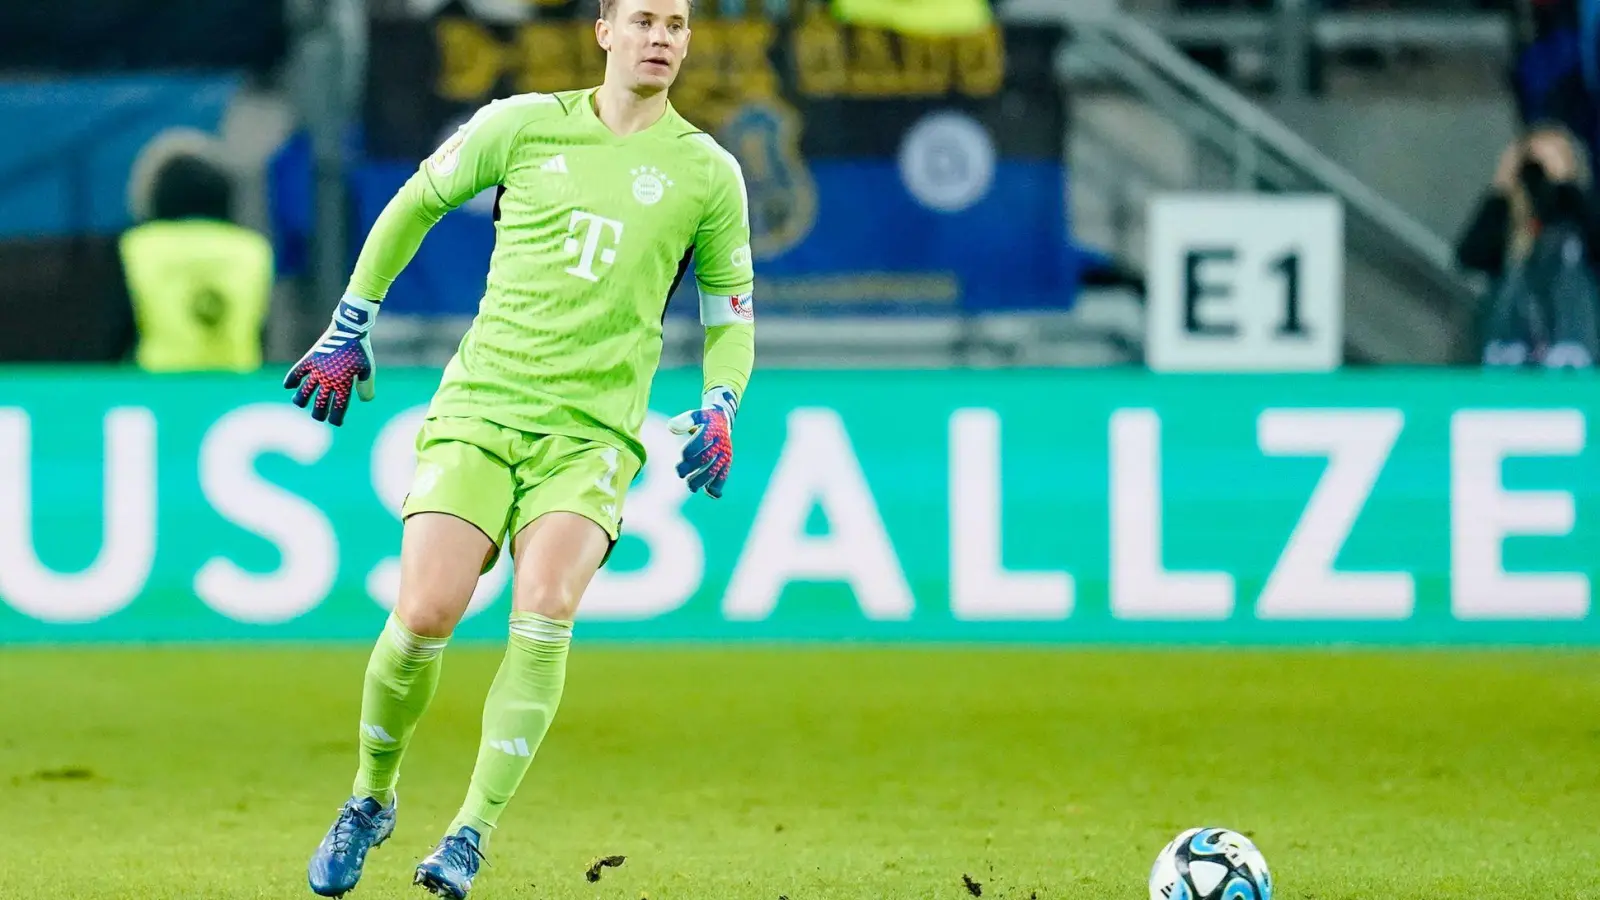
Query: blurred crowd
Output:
(197,283)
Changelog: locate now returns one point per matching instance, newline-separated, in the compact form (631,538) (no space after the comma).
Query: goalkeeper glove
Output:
(708,451)
(341,359)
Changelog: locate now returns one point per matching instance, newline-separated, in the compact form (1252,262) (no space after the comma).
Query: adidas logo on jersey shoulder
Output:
(557,163)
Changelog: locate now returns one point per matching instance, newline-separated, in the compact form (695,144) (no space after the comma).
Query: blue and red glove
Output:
(341,362)
(708,452)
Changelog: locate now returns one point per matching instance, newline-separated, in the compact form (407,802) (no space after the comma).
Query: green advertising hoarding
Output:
(1041,506)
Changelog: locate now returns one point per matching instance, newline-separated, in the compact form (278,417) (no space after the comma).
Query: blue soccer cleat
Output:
(336,866)
(449,869)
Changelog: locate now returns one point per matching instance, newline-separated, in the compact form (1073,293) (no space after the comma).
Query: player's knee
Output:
(427,619)
(550,599)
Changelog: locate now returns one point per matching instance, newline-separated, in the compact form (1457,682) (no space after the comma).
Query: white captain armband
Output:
(727,309)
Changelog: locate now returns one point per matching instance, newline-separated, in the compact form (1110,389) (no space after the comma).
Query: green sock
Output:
(521,704)
(402,674)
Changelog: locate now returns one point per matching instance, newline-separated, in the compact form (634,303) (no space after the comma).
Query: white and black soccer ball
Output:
(1210,864)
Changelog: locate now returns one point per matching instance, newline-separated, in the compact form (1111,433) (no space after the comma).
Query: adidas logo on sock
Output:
(557,163)
(377,733)
(516,747)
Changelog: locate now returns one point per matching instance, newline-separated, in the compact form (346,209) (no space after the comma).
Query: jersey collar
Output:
(594,118)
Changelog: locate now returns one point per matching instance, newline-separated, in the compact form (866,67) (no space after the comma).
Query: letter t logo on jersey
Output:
(588,231)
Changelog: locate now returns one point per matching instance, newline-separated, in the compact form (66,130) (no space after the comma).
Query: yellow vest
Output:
(928,17)
(200,292)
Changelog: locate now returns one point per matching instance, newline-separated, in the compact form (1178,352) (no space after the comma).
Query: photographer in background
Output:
(1536,236)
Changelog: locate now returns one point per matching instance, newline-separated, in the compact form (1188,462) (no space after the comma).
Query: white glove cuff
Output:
(355,313)
(722,398)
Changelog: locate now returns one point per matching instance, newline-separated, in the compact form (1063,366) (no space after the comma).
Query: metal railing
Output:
(1405,300)
(1334,30)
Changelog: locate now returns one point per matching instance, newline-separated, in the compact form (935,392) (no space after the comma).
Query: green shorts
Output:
(501,479)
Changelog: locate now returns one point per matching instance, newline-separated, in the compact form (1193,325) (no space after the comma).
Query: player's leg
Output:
(461,495)
(556,557)
(437,577)
(441,557)
(572,508)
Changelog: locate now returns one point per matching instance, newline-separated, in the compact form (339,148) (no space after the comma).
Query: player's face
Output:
(646,41)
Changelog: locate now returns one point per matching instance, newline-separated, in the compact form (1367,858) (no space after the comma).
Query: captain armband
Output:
(727,309)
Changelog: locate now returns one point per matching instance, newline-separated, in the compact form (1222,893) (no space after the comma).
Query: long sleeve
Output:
(394,239)
(730,355)
(723,268)
(472,159)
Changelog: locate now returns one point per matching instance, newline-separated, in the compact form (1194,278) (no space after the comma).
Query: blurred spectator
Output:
(1536,235)
(197,285)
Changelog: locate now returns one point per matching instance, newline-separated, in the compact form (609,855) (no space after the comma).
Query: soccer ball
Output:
(1210,864)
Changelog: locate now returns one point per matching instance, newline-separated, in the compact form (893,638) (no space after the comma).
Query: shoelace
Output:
(462,853)
(350,818)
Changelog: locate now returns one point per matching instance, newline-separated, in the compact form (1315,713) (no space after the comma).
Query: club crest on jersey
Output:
(743,305)
(650,185)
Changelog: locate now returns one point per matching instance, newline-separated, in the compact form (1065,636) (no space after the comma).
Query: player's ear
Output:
(602,34)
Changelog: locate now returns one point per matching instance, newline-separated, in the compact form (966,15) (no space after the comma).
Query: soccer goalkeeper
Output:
(533,435)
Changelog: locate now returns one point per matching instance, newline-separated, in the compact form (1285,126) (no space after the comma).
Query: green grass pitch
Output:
(822,774)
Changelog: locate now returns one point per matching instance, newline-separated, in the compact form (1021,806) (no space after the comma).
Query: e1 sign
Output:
(1245,282)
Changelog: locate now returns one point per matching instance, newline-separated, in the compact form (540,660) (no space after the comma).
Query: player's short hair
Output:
(608,8)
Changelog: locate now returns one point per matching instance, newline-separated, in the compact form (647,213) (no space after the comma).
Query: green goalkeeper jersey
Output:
(593,232)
